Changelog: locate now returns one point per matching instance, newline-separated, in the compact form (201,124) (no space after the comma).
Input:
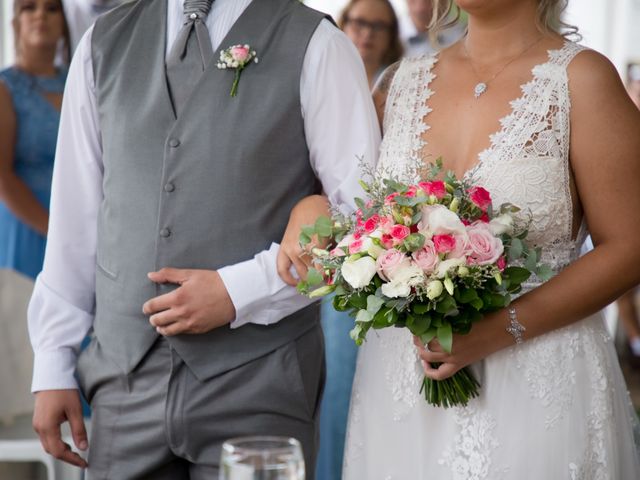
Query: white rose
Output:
(404,278)
(439,220)
(501,224)
(447,265)
(395,290)
(358,274)
(371,248)
(434,289)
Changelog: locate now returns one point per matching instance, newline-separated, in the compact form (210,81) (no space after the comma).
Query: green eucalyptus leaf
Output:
(364,316)
(544,272)
(323,226)
(374,304)
(516,248)
(314,277)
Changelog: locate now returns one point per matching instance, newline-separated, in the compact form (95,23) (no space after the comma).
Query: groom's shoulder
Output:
(304,12)
(123,10)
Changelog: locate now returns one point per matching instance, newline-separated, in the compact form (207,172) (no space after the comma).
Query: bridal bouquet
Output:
(431,257)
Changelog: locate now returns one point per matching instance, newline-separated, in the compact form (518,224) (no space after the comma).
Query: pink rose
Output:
(386,224)
(501,263)
(484,248)
(427,258)
(435,188)
(387,241)
(337,252)
(390,198)
(389,262)
(372,223)
(355,246)
(400,232)
(444,243)
(240,53)
(411,192)
(480,197)
(461,249)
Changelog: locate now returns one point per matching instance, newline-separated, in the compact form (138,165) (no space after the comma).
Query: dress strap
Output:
(563,56)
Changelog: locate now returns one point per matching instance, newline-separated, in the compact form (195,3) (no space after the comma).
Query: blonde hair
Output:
(549,19)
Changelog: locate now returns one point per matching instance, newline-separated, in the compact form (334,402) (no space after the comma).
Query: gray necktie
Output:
(190,54)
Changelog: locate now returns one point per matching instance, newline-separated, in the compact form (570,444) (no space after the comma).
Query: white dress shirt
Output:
(340,126)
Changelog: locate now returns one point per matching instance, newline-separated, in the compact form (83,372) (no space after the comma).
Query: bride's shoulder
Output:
(592,75)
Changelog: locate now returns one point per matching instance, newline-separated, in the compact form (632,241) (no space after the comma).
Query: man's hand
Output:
(306,212)
(199,305)
(52,409)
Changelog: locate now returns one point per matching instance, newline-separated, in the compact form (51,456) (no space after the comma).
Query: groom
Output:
(168,197)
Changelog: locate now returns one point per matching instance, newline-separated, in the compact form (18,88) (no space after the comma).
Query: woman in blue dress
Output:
(30,101)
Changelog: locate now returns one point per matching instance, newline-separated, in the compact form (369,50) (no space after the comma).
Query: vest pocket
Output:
(107,272)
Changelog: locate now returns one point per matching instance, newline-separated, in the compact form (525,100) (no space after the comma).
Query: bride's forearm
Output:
(583,288)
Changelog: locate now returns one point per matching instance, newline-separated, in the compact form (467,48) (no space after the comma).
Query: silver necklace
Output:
(482,86)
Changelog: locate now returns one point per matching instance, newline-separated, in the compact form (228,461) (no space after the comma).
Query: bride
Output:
(546,124)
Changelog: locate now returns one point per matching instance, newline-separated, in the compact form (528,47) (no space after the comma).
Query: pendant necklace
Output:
(482,86)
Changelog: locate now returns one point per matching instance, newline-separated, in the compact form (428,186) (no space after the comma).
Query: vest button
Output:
(174,142)
(169,187)
(165,232)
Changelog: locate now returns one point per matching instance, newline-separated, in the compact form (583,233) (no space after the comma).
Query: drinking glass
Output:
(262,458)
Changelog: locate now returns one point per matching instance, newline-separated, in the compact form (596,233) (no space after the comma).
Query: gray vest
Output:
(208,189)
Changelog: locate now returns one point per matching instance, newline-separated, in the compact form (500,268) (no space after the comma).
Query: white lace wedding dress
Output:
(555,407)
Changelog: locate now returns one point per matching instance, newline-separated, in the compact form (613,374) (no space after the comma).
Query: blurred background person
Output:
(633,82)
(372,25)
(627,307)
(628,314)
(30,100)
(414,30)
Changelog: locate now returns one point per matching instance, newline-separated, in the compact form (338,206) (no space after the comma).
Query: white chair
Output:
(18,441)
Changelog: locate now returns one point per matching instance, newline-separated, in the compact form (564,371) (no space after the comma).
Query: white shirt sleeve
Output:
(341,127)
(61,308)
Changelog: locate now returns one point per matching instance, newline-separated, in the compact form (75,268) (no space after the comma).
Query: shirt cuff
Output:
(258,293)
(54,370)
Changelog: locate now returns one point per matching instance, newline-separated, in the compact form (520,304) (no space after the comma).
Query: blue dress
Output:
(341,353)
(37,120)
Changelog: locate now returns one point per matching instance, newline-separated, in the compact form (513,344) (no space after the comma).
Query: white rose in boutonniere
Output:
(237,57)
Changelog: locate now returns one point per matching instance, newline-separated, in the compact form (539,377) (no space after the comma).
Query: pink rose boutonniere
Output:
(237,57)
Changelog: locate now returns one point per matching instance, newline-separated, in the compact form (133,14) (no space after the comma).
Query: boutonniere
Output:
(237,57)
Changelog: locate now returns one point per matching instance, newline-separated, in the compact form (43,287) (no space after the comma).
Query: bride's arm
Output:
(605,161)
(310,208)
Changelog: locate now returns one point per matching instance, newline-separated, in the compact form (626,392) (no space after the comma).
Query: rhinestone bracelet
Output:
(515,328)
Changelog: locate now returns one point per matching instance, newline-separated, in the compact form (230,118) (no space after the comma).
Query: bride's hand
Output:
(304,213)
(486,337)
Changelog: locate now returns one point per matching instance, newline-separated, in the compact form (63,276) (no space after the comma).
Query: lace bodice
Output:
(527,162)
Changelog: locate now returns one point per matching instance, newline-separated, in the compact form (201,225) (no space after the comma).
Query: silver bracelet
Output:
(515,328)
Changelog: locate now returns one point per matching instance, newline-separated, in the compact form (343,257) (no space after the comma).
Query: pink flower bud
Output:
(240,53)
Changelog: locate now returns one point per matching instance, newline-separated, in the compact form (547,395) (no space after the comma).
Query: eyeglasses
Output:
(360,25)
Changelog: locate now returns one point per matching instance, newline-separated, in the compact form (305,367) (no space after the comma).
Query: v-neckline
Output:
(488,152)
